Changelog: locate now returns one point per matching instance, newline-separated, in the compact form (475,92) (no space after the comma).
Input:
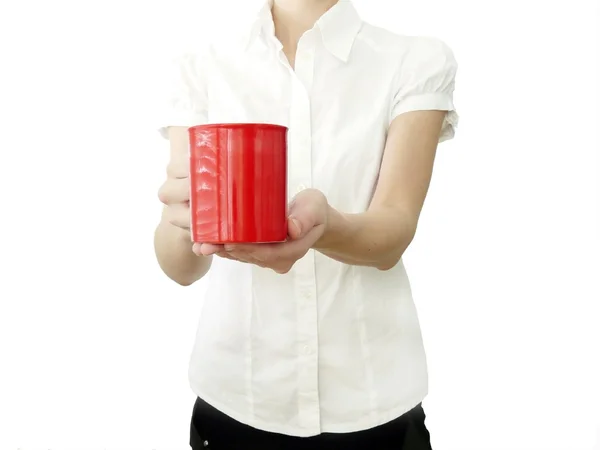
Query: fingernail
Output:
(297,225)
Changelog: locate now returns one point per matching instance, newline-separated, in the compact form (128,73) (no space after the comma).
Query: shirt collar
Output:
(339,27)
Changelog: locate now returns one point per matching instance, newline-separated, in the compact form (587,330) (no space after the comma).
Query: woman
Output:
(313,343)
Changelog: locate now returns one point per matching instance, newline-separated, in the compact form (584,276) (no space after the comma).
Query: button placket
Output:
(300,163)
(305,55)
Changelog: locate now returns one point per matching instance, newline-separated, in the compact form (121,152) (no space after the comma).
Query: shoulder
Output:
(193,56)
(185,67)
(405,50)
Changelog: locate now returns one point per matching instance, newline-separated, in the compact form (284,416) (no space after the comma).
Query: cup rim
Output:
(234,125)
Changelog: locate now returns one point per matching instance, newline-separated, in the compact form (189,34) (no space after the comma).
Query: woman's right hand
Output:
(175,194)
(172,240)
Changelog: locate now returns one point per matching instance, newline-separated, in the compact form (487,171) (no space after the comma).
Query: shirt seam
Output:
(364,344)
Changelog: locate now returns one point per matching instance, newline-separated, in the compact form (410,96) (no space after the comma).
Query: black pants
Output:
(212,430)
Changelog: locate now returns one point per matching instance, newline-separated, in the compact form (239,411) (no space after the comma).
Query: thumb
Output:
(303,212)
(295,228)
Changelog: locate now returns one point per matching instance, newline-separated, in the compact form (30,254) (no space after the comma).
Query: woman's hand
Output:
(307,221)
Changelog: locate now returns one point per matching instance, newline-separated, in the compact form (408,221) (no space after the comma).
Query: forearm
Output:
(376,238)
(173,249)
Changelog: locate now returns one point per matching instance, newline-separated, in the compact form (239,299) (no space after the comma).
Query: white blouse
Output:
(328,347)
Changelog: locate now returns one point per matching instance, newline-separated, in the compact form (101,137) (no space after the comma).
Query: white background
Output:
(95,340)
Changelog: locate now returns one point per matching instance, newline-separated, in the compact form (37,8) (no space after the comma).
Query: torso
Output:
(327,347)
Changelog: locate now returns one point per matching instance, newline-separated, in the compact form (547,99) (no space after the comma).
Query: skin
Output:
(375,238)
(172,240)
(293,18)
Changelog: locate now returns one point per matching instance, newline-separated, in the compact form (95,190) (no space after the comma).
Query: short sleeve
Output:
(425,82)
(185,99)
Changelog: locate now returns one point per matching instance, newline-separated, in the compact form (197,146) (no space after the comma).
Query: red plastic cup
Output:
(238,177)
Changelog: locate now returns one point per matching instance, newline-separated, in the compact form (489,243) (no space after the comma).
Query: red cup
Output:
(238,177)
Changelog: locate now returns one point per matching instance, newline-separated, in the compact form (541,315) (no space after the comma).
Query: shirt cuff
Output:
(180,120)
(431,102)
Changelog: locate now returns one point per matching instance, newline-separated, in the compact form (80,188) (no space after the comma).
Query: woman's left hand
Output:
(307,221)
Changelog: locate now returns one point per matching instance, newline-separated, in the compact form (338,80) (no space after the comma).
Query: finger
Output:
(294,228)
(246,258)
(197,249)
(227,256)
(178,214)
(278,257)
(282,253)
(305,212)
(210,249)
(243,259)
(179,167)
(282,270)
(175,190)
(256,252)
